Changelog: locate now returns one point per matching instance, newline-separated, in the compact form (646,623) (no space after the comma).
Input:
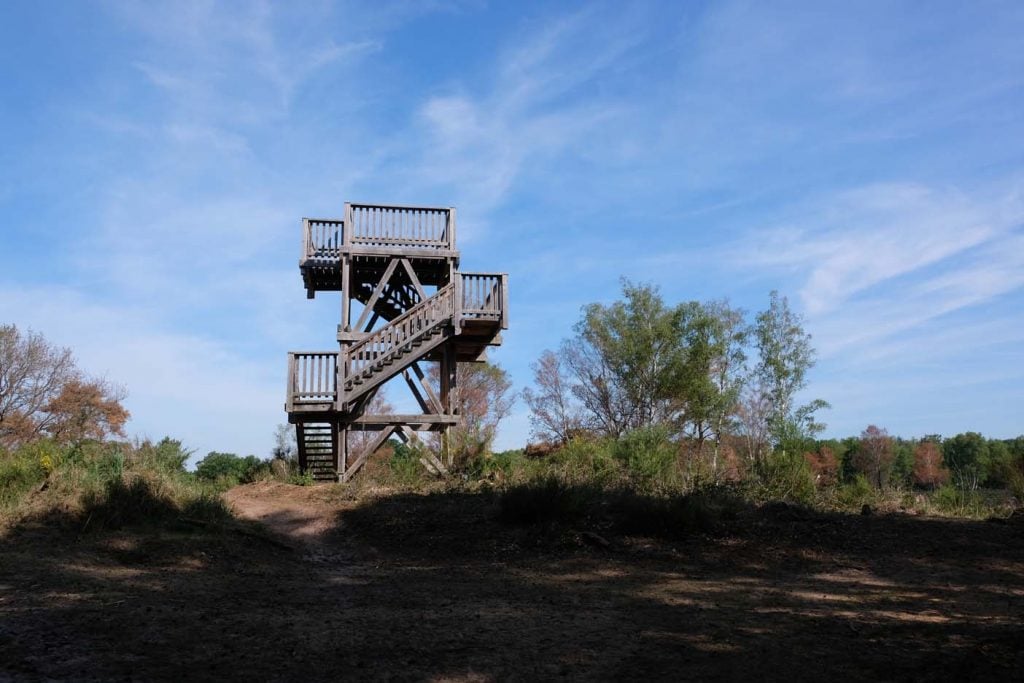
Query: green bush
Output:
(650,456)
(786,476)
(499,466)
(105,485)
(582,461)
(857,493)
(1015,483)
(22,471)
(167,455)
(959,502)
(404,466)
(229,469)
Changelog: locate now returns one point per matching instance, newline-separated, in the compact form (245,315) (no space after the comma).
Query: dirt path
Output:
(299,513)
(410,587)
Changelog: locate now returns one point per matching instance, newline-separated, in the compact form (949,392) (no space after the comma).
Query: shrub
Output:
(495,466)
(583,460)
(230,469)
(23,470)
(1015,483)
(167,455)
(105,485)
(649,455)
(857,493)
(404,466)
(954,500)
(786,476)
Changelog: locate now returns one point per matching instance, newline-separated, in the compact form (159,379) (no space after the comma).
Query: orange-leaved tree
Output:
(929,470)
(43,393)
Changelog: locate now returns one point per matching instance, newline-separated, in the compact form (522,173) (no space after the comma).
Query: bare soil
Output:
(411,587)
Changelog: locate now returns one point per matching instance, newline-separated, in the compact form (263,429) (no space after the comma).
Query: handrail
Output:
(485,296)
(312,377)
(415,322)
(400,226)
(378,225)
(322,238)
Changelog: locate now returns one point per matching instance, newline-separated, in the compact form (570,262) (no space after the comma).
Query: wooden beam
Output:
(434,400)
(414,280)
(426,418)
(367,452)
(415,391)
(376,294)
(423,252)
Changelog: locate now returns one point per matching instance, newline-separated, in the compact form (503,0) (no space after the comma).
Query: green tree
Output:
(228,466)
(635,364)
(966,455)
(1000,463)
(714,337)
(785,355)
(902,462)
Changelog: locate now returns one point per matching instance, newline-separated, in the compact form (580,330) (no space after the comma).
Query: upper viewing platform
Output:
(369,234)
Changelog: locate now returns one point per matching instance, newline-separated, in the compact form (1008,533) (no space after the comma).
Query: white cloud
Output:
(852,241)
(475,145)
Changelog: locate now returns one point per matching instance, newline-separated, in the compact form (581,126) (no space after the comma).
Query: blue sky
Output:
(865,159)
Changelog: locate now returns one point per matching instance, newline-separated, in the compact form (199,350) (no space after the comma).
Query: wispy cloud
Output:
(539,104)
(847,243)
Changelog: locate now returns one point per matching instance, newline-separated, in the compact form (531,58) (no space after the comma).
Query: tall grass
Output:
(644,482)
(103,485)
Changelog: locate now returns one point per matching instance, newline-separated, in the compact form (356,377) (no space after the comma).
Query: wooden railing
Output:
(312,377)
(485,296)
(322,238)
(403,330)
(400,226)
(366,225)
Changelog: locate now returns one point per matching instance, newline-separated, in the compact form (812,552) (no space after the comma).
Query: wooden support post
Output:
(449,399)
(342,451)
(300,443)
(346,293)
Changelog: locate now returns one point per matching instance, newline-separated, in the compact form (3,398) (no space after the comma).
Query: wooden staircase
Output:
(401,342)
(317,442)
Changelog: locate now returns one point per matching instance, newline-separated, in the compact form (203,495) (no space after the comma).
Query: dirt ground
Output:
(409,587)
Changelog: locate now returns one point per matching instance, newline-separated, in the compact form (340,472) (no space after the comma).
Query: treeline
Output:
(967,461)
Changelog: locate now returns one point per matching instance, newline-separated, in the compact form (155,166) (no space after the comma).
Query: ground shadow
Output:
(435,587)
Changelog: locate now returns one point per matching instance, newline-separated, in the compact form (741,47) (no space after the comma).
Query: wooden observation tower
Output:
(397,268)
